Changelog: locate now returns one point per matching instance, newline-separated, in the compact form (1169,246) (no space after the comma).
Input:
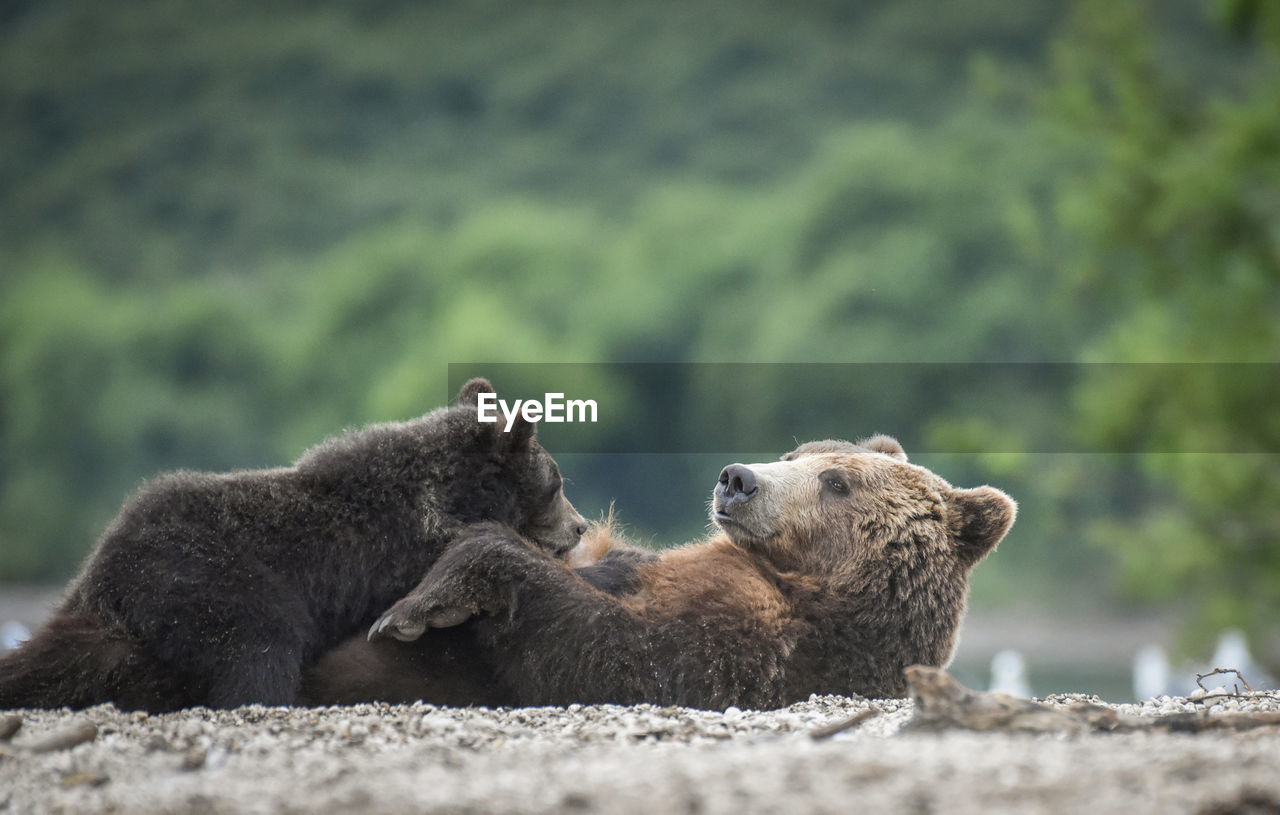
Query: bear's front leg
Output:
(478,573)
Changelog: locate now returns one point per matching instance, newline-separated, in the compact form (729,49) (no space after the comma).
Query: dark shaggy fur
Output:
(218,589)
(448,668)
(838,567)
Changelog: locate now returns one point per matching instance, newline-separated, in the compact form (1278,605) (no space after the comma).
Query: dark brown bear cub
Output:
(218,589)
(838,566)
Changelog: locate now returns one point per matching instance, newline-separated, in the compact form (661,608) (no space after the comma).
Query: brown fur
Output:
(838,566)
(596,542)
(449,670)
(694,577)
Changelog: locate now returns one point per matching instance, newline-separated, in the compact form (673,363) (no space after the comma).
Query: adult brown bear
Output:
(837,567)
(217,589)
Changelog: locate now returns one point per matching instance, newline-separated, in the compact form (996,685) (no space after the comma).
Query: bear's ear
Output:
(979,519)
(885,444)
(474,387)
(521,435)
(522,431)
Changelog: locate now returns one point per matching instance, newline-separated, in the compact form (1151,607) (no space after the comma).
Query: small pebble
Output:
(194,759)
(190,729)
(85,779)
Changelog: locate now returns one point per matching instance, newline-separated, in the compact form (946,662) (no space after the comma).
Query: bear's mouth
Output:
(723,518)
(737,531)
(556,544)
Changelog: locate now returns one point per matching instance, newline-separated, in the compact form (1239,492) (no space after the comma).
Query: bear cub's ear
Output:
(522,433)
(888,445)
(467,395)
(979,519)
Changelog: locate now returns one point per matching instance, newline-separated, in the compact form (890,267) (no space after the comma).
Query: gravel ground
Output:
(643,759)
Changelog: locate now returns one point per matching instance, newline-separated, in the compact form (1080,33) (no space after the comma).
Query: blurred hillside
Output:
(227,231)
(218,136)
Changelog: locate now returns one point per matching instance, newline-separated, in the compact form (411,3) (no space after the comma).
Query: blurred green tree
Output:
(1178,214)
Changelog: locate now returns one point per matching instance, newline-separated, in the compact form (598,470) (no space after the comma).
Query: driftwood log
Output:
(64,739)
(9,725)
(942,703)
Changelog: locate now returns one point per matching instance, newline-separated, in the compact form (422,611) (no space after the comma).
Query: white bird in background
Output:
(1009,673)
(13,634)
(1232,651)
(1151,676)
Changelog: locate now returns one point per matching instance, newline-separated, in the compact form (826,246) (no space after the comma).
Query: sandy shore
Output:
(424,759)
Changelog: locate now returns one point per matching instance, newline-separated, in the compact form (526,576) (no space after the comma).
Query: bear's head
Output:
(881,543)
(491,473)
(832,508)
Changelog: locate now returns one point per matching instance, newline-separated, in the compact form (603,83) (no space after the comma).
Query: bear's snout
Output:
(737,484)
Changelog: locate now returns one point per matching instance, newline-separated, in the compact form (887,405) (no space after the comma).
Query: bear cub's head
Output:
(504,475)
(829,507)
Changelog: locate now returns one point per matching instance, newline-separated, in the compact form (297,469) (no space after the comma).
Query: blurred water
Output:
(1061,653)
(13,634)
(22,608)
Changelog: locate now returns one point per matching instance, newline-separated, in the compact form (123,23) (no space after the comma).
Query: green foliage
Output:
(180,138)
(100,383)
(1177,211)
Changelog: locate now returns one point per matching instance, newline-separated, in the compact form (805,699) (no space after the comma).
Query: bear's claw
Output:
(403,630)
(390,624)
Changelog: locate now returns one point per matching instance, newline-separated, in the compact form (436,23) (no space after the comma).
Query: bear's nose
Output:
(738,483)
